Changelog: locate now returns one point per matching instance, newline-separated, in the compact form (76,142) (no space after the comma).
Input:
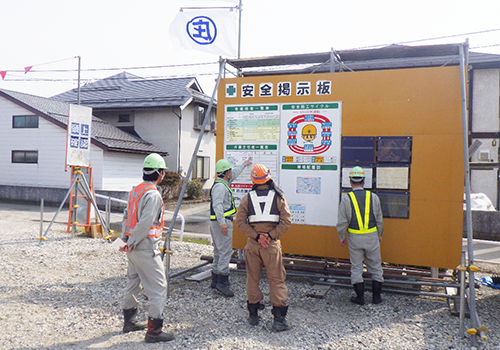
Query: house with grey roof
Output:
(483,91)
(168,113)
(33,141)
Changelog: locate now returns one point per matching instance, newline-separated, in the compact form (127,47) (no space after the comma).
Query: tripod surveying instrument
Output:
(79,183)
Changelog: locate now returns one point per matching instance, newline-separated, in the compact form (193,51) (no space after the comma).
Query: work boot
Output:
(131,324)
(359,288)
(155,333)
(223,286)
(376,290)
(215,278)
(279,318)
(253,311)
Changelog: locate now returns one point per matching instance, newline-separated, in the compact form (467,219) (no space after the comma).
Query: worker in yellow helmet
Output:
(360,216)
(263,216)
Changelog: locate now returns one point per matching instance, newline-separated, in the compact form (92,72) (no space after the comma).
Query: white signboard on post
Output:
(79,136)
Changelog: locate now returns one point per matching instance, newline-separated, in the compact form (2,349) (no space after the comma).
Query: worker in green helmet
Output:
(360,217)
(142,230)
(222,210)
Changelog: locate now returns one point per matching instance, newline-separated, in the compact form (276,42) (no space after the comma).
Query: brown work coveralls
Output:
(257,257)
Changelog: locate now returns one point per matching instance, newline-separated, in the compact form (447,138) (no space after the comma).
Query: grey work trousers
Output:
(365,246)
(146,271)
(223,247)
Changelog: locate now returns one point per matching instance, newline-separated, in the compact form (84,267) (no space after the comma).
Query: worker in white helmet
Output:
(360,216)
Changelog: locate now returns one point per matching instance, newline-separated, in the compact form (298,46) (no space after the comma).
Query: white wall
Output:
(189,138)
(485,181)
(122,171)
(48,139)
(160,127)
(485,95)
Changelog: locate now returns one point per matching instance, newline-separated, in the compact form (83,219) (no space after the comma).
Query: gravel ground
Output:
(66,293)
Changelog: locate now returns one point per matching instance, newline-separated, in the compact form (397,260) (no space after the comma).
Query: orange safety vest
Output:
(133,200)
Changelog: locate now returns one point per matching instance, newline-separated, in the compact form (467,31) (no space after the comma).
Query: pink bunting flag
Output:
(2,73)
(27,69)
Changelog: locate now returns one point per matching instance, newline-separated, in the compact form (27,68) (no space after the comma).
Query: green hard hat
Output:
(223,165)
(154,161)
(357,172)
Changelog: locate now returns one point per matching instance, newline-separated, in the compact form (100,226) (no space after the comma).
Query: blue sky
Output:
(111,36)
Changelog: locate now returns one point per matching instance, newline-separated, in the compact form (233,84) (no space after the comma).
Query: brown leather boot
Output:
(154,333)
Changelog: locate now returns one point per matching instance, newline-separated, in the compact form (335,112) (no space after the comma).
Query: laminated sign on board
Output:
(79,136)
(300,143)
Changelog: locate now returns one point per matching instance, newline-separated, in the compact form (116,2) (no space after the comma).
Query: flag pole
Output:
(239,30)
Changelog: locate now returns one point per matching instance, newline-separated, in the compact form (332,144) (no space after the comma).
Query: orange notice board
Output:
(318,117)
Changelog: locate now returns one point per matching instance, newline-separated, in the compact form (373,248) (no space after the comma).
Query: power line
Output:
(118,68)
(429,39)
(110,79)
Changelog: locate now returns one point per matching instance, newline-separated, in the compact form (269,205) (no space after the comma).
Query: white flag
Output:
(208,30)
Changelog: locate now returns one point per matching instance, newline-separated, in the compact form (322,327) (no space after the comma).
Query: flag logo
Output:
(209,30)
(202,30)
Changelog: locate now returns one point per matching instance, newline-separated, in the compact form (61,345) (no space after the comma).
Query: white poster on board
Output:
(251,131)
(79,136)
(310,149)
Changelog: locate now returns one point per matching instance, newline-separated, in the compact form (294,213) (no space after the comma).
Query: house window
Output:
(124,118)
(199,117)
(24,121)
(30,157)
(201,168)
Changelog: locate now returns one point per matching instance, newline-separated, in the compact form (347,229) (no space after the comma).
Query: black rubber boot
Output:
(223,286)
(215,279)
(130,321)
(280,323)
(376,290)
(359,288)
(253,309)
(155,333)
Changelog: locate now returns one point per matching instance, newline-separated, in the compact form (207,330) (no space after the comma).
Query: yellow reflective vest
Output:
(361,224)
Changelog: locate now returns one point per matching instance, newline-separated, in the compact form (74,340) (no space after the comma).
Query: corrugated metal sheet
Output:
(390,57)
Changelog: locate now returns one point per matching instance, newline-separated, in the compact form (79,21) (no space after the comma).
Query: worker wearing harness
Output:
(142,229)
(263,216)
(222,210)
(360,214)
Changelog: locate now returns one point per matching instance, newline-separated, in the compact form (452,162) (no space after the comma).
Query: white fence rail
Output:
(108,212)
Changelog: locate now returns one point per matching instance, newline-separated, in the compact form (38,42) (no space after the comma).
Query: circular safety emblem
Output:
(303,135)
(202,30)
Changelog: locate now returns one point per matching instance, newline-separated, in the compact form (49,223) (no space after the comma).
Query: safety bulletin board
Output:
(404,126)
